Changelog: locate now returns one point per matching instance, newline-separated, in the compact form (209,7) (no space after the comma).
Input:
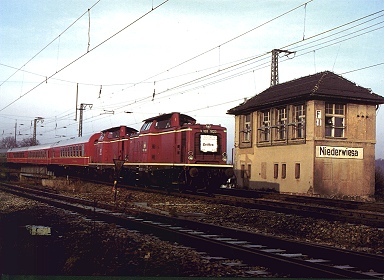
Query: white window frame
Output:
(281,123)
(265,126)
(335,120)
(299,121)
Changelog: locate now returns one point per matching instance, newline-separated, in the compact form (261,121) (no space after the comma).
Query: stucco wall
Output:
(348,176)
(329,175)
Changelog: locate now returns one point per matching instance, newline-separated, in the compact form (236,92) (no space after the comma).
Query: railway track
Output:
(291,258)
(355,212)
(371,214)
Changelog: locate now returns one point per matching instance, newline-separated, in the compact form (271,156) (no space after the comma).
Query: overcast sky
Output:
(201,58)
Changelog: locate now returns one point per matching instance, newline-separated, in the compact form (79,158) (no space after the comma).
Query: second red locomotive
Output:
(169,150)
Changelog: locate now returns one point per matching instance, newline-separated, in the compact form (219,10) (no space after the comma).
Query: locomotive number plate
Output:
(208,143)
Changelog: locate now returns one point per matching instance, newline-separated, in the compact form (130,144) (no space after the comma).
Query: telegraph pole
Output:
(275,65)
(83,106)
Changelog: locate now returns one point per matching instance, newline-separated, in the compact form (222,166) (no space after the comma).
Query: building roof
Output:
(321,86)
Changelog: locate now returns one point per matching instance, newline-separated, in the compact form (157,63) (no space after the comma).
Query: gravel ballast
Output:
(78,246)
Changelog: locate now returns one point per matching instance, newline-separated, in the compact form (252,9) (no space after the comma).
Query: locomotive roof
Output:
(72,141)
(30,148)
(169,115)
(320,86)
(77,140)
(128,129)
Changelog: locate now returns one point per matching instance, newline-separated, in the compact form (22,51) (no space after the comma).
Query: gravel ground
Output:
(334,233)
(81,247)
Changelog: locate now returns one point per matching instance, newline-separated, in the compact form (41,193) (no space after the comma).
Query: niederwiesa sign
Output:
(339,152)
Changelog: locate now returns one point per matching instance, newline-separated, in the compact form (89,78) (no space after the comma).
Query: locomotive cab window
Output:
(146,126)
(163,124)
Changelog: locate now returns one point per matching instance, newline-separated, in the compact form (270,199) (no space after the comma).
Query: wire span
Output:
(81,56)
(57,37)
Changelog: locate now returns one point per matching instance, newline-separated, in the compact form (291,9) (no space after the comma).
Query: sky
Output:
(132,60)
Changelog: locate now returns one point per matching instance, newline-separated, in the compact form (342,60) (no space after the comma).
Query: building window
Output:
(242,171)
(246,128)
(334,120)
(281,123)
(297,171)
(276,170)
(265,126)
(245,131)
(263,170)
(249,171)
(299,121)
(283,171)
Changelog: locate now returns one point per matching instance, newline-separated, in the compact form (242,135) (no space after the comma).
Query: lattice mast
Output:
(275,65)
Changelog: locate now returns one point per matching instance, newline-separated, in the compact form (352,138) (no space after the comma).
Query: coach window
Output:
(334,120)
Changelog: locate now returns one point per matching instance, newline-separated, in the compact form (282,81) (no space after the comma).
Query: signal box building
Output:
(315,135)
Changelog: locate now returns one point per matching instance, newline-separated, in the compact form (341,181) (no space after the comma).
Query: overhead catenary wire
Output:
(292,44)
(221,72)
(228,70)
(81,56)
(57,37)
(237,100)
(314,50)
(224,43)
(194,110)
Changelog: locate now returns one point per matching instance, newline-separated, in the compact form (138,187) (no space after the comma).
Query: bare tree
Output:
(26,142)
(8,143)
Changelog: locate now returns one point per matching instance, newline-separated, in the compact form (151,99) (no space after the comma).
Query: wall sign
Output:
(318,117)
(339,152)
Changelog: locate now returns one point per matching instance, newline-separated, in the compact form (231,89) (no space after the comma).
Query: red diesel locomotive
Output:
(169,150)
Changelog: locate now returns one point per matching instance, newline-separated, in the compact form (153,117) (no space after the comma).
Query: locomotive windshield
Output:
(208,143)
(146,126)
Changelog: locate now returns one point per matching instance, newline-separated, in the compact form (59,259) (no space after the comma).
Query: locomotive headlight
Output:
(190,155)
(224,156)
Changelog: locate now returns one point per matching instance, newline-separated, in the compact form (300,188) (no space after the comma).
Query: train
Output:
(170,150)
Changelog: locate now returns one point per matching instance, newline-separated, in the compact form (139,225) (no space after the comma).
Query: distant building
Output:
(315,134)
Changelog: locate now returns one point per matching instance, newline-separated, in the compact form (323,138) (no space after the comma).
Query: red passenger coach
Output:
(38,155)
(75,152)
(17,155)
